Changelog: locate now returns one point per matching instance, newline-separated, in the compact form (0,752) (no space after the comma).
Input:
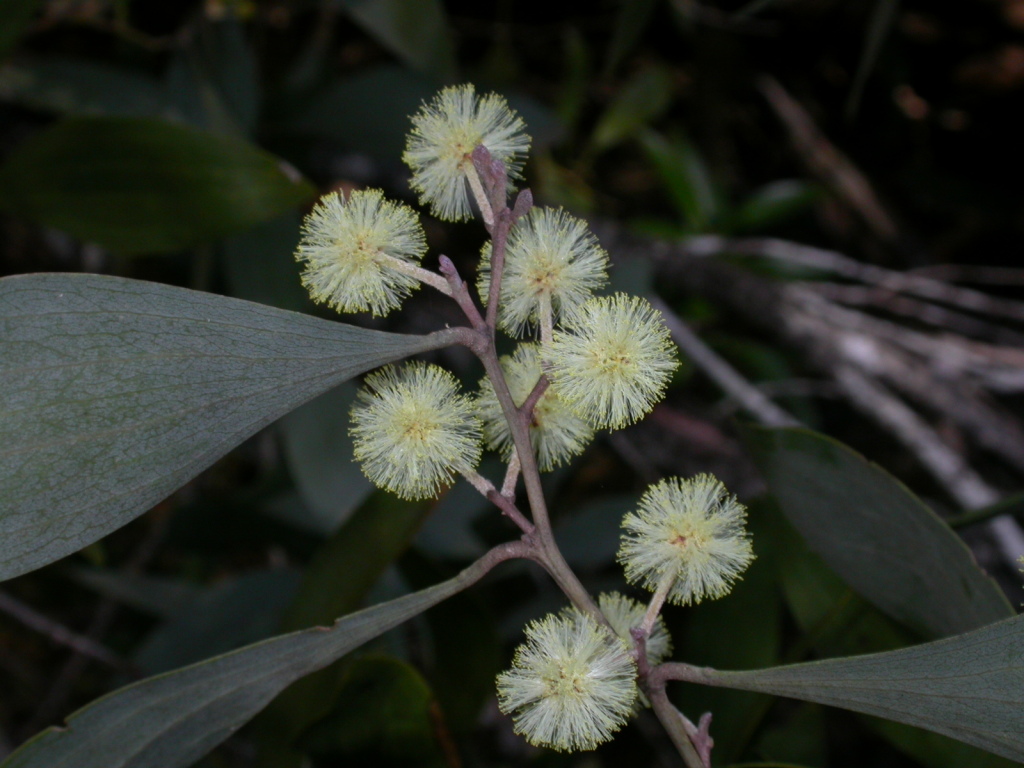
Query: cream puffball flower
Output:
(355,252)
(413,430)
(625,613)
(553,264)
(689,530)
(444,134)
(555,431)
(572,683)
(612,360)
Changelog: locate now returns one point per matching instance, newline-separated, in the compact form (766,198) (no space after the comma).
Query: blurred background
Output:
(823,196)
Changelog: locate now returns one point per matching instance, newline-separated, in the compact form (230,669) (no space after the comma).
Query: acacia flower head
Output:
(555,430)
(572,683)
(691,530)
(625,613)
(444,134)
(612,360)
(354,251)
(413,430)
(552,259)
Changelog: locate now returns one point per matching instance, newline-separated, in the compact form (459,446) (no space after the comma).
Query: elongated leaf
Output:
(224,617)
(883,16)
(139,185)
(970,687)
(880,538)
(418,33)
(641,100)
(631,19)
(114,393)
(364,112)
(836,622)
(172,720)
(686,177)
(382,711)
(73,85)
(318,450)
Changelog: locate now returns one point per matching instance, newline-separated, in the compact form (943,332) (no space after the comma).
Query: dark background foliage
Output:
(182,142)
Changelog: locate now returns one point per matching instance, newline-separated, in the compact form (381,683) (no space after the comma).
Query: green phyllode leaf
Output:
(880,538)
(970,687)
(115,392)
(172,720)
(143,185)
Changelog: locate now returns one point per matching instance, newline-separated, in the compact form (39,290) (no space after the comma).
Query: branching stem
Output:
(460,293)
(432,279)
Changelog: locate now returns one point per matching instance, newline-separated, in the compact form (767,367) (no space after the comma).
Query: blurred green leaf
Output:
(771,204)
(875,534)
(834,620)
(560,186)
(450,531)
(212,80)
(15,17)
(259,264)
(934,750)
(114,393)
(590,538)
(969,686)
(193,95)
(172,720)
(318,450)
(224,617)
(464,651)
(158,595)
(76,86)
(883,15)
(643,98)
(797,739)
(418,33)
(384,712)
(347,566)
(684,174)
(752,8)
(1011,505)
(543,124)
(138,185)
(575,82)
(367,112)
(630,20)
(233,68)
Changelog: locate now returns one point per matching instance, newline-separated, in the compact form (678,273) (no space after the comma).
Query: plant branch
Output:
(432,279)
(511,511)
(753,400)
(684,735)
(460,293)
(58,633)
(499,241)
(508,487)
(534,397)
